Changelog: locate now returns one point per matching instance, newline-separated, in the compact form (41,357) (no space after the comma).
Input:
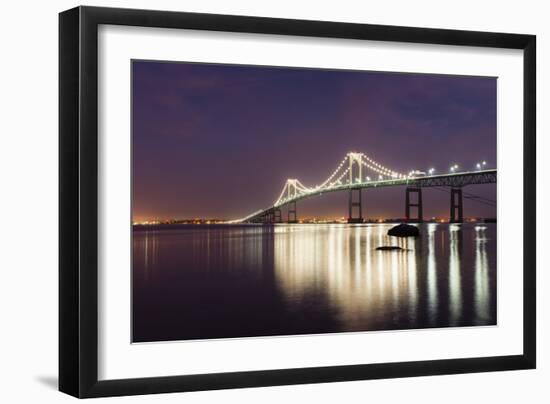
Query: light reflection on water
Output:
(431,275)
(482,285)
(455,289)
(233,281)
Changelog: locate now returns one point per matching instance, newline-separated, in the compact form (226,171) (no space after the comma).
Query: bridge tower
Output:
(410,204)
(292,218)
(277,216)
(355,176)
(357,203)
(456,205)
(292,192)
(355,161)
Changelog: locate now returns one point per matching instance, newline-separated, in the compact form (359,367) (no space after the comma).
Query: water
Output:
(196,282)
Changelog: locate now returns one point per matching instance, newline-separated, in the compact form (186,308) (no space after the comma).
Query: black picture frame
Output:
(78,201)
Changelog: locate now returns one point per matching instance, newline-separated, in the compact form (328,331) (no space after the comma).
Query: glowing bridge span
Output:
(358,171)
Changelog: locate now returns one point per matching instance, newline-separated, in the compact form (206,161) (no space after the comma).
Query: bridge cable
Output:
(471,197)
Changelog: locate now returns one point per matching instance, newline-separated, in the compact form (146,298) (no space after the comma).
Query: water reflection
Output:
(455,286)
(431,277)
(482,289)
(365,287)
(230,281)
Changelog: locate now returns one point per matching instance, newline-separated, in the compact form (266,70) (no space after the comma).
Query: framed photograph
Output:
(251,201)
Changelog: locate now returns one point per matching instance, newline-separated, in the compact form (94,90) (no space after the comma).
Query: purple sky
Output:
(221,140)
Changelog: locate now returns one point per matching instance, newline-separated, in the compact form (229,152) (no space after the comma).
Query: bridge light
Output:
(431,171)
(380,177)
(478,166)
(484,162)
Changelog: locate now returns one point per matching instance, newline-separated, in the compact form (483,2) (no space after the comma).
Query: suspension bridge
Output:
(357,172)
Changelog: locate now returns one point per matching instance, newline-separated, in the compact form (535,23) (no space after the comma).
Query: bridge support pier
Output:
(292,218)
(409,204)
(355,204)
(277,216)
(456,206)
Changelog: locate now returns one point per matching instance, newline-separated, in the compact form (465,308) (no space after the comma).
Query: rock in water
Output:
(389,248)
(404,230)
